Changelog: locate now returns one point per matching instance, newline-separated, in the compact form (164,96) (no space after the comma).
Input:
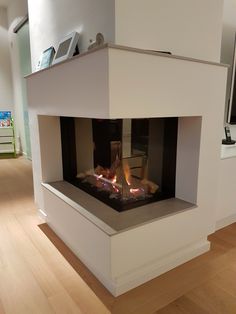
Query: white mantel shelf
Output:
(100,84)
(136,50)
(120,82)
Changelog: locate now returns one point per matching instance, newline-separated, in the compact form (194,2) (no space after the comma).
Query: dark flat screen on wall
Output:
(232,119)
(232,100)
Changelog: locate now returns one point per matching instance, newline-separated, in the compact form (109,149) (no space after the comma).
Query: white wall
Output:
(184,27)
(226,204)
(52,20)
(6,93)
(190,28)
(16,11)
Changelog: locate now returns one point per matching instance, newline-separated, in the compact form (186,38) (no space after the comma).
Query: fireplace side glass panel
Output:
(124,163)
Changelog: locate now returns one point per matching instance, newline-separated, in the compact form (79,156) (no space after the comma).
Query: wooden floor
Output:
(39,274)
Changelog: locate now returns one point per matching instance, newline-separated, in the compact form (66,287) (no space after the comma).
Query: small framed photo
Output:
(46,58)
(5,119)
(66,47)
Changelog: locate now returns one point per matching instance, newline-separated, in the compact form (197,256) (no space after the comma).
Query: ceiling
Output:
(5,3)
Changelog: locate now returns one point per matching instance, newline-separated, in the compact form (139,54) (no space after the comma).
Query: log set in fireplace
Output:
(124,163)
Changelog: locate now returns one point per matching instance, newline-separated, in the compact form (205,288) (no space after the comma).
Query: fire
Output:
(127,172)
(119,182)
(133,189)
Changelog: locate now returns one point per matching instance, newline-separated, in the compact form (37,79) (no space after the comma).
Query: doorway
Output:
(23,40)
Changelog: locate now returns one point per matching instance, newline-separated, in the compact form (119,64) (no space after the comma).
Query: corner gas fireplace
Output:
(125,163)
(128,163)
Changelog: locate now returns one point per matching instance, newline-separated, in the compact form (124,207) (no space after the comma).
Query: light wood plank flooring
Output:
(34,276)
(39,274)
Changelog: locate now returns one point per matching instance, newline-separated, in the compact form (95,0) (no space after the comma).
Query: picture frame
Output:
(5,119)
(46,58)
(66,47)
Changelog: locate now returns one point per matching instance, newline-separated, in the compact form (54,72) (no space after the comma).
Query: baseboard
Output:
(145,273)
(148,272)
(42,215)
(224,222)
(26,156)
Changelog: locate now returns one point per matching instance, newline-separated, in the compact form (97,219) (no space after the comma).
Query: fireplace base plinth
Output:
(110,244)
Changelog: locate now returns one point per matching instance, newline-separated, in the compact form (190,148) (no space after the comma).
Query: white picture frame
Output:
(66,47)
(46,59)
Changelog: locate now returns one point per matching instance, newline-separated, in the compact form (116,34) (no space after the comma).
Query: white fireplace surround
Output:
(120,82)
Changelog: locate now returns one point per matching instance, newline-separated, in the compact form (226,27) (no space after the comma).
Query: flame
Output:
(114,179)
(119,182)
(127,173)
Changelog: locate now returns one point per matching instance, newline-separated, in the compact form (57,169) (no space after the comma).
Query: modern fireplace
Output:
(78,114)
(124,163)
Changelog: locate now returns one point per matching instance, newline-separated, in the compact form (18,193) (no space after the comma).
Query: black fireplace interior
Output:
(124,163)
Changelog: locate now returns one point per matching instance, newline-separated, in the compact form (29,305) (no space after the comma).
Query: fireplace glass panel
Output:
(124,163)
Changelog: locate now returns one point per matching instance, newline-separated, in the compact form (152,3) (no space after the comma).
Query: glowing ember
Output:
(135,190)
(116,189)
(114,179)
